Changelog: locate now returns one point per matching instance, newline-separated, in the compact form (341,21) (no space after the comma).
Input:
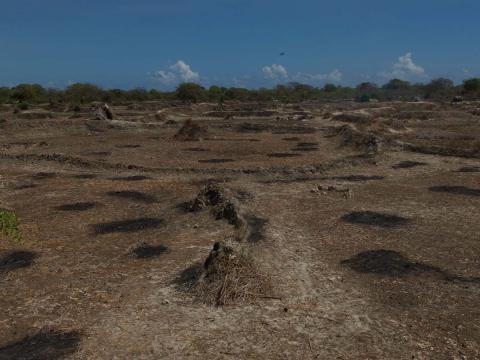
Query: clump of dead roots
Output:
(368,140)
(223,204)
(101,111)
(230,276)
(191,131)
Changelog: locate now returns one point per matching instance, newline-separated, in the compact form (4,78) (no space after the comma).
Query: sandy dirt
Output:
(368,230)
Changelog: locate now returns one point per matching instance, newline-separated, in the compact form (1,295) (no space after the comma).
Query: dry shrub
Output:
(230,276)
(356,117)
(101,111)
(368,140)
(191,131)
(160,116)
(224,206)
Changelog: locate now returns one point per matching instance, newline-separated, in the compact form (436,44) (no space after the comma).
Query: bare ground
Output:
(390,271)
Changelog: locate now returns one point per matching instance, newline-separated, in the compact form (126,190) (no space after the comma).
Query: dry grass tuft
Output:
(230,277)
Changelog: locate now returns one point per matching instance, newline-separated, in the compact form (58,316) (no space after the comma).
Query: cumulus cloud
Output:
(180,71)
(279,72)
(405,64)
(333,76)
(275,71)
(405,68)
(165,77)
(184,71)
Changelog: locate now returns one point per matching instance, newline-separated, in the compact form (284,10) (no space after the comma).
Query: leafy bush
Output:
(9,225)
(23,106)
(440,84)
(472,85)
(83,93)
(190,92)
(367,87)
(4,94)
(367,98)
(28,92)
(397,84)
(329,88)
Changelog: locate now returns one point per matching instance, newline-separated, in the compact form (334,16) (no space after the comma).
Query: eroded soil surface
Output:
(367,225)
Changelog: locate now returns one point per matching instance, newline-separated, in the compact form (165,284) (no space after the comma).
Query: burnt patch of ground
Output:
(133,195)
(375,219)
(188,277)
(203,182)
(469,169)
(283,155)
(253,128)
(256,228)
(457,190)
(385,262)
(305,148)
(131,178)
(147,251)
(393,264)
(47,344)
(85,176)
(293,180)
(274,129)
(98,153)
(215,161)
(79,206)
(359,178)
(196,149)
(130,225)
(25,186)
(294,130)
(408,164)
(16,260)
(307,144)
(128,146)
(44,175)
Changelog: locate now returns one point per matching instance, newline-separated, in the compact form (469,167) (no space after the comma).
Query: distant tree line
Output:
(84,93)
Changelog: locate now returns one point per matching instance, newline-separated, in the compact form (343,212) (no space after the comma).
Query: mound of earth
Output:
(191,131)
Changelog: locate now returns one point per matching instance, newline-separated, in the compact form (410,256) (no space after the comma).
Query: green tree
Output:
(367,87)
(190,92)
(439,85)
(28,93)
(329,88)
(471,85)
(240,94)
(397,84)
(4,94)
(83,93)
(216,93)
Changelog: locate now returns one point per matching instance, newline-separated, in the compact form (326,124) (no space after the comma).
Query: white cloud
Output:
(184,71)
(334,76)
(405,64)
(165,77)
(275,71)
(405,68)
(180,71)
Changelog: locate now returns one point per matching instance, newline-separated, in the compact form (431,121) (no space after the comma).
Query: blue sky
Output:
(157,44)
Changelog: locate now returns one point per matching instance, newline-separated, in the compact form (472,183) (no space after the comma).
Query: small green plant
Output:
(9,225)
(23,106)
